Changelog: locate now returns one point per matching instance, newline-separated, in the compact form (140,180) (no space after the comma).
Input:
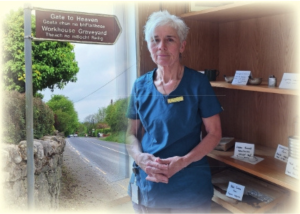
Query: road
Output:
(108,158)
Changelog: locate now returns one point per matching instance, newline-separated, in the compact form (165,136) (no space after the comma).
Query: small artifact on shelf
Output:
(259,196)
(225,143)
(228,79)
(272,81)
(294,147)
(254,81)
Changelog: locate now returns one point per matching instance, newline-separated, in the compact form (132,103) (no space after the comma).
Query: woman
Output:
(171,173)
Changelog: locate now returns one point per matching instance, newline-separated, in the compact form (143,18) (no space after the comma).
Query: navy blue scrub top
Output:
(173,129)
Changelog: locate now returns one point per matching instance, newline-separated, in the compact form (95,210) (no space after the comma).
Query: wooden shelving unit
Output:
(270,194)
(227,25)
(270,169)
(259,88)
(241,10)
(259,36)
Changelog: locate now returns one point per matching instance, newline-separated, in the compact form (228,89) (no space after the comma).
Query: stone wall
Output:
(48,159)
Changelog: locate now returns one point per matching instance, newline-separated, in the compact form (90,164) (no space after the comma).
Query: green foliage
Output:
(65,116)
(100,115)
(116,137)
(14,127)
(81,129)
(53,63)
(43,118)
(39,95)
(96,132)
(115,115)
(105,131)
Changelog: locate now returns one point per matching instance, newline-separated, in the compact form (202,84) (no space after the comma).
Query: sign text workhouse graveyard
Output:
(79,27)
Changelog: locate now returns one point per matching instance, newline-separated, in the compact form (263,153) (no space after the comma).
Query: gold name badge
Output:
(175,100)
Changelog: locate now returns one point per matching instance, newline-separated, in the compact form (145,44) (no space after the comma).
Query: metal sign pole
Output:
(82,30)
(29,105)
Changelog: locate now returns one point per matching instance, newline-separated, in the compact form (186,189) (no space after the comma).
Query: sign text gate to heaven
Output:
(76,27)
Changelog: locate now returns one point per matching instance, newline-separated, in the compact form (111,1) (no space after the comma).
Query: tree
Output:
(65,116)
(115,115)
(89,122)
(81,129)
(53,63)
(100,115)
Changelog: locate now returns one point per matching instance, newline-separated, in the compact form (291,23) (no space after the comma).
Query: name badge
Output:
(175,100)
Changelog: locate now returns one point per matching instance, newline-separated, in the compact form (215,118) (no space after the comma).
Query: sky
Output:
(96,70)
(96,79)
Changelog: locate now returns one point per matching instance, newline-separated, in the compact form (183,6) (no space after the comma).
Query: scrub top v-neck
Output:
(166,96)
(173,129)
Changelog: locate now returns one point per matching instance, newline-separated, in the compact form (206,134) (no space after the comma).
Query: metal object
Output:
(135,168)
(260,196)
(29,106)
(272,81)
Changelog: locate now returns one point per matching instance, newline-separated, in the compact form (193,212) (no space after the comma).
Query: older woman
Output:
(171,173)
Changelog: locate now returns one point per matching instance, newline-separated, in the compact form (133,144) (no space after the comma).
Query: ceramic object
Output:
(254,81)
(228,78)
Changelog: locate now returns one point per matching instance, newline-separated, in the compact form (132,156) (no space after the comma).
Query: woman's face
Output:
(165,46)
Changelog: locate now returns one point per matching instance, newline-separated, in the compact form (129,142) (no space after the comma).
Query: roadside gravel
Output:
(84,189)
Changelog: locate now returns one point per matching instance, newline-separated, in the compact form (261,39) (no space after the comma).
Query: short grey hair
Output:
(164,18)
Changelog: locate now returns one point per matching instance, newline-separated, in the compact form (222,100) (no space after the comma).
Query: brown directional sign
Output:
(76,27)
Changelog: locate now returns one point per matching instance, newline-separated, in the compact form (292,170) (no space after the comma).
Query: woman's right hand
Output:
(157,172)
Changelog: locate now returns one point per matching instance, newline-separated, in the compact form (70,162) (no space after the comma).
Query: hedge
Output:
(14,118)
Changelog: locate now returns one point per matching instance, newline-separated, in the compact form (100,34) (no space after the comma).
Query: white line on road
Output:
(101,171)
(109,148)
(85,158)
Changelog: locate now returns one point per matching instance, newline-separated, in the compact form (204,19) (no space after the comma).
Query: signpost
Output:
(76,27)
(64,26)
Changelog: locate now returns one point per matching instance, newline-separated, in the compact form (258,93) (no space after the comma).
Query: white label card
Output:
(290,81)
(282,153)
(244,150)
(292,168)
(241,77)
(235,191)
(135,193)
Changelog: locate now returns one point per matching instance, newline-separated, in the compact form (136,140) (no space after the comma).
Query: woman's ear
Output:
(182,46)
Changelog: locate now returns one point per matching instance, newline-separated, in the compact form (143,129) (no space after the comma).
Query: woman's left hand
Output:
(175,164)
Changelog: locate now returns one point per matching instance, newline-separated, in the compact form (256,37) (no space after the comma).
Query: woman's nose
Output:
(162,45)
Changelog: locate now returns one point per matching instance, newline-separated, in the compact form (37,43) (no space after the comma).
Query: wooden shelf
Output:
(242,10)
(259,88)
(270,169)
(248,204)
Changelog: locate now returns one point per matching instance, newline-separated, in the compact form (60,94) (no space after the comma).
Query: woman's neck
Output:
(167,73)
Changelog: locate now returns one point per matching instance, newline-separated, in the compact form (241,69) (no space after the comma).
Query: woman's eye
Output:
(170,40)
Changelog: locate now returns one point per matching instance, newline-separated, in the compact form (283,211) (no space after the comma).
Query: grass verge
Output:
(118,137)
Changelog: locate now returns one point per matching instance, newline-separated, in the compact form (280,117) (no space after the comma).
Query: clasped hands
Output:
(160,170)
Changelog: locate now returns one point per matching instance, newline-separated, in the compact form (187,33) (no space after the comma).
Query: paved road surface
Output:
(108,192)
(108,158)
